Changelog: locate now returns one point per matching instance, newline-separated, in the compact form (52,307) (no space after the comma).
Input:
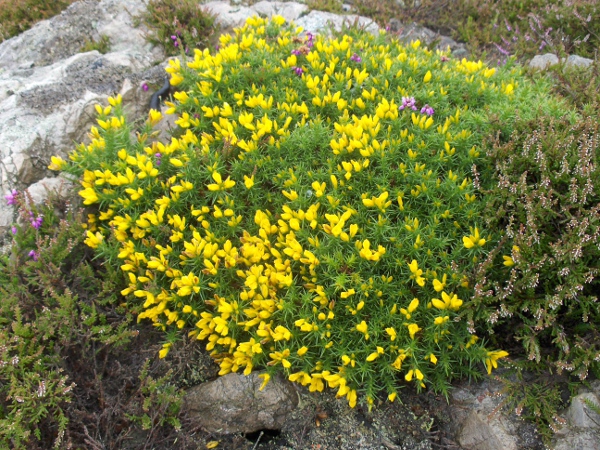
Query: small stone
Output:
(234,404)
(481,432)
(578,61)
(543,61)
(580,415)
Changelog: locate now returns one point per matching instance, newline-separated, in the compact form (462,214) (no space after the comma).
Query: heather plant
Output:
(319,216)
(178,25)
(37,313)
(547,204)
(52,319)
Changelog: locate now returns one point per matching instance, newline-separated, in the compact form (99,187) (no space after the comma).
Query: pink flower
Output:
(408,102)
(11,197)
(427,110)
(33,255)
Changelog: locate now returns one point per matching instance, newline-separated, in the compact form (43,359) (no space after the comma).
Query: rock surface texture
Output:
(48,90)
(234,403)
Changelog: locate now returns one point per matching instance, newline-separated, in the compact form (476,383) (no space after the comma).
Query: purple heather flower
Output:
(355,58)
(427,110)
(299,70)
(14,230)
(37,222)
(309,39)
(11,197)
(408,102)
(145,87)
(296,52)
(33,255)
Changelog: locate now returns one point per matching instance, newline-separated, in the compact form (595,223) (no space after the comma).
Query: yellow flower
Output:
(416,273)
(212,444)
(165,350)
(392,333)
(438,285)
(248,181)
(220,184)
(302,351)
(154,117)
(508,261)
(114,101)
(265,377)
(433,358)
(413,329)
(373,356)
(451,302)
(474,240)
(492,359)
(441,320)
(363,328)
(57,163)
(89,195)
(93,240)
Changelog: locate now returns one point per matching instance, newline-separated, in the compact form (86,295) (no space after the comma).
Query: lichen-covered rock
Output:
(543,61)
(234,403)
(320,21)
(48,89)
(62,36)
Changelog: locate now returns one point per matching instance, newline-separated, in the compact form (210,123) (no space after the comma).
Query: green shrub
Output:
(314,215)
(103,45)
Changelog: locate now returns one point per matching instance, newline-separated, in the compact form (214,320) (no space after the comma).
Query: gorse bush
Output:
(320,210)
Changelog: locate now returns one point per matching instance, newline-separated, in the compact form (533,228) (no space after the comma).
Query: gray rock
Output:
(229,16)
(288,10)
(578,61)
(62,36)
(482,432)
(580,415)
(586,440)
(40,191)
(413,32)
(479,423)
(234,404)
(543,61)
(320,22)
